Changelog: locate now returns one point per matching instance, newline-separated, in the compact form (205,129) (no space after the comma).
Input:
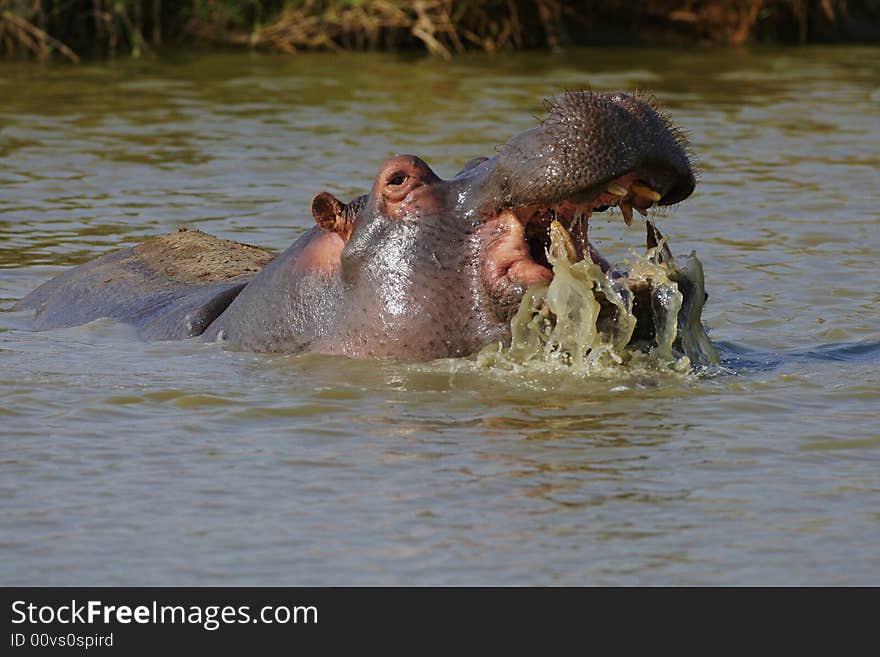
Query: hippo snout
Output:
(592,152)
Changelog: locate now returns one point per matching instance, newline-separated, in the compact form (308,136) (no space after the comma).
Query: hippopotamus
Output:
(417,268)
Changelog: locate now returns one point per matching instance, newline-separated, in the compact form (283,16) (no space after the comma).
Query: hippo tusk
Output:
(645,192)
(616,190)
(653,239)
(560,238)
(626,209)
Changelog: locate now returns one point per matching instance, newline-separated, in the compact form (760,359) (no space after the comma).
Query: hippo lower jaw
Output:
(652,305)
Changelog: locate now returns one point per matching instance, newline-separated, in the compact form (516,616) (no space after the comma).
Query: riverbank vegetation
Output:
(72,29)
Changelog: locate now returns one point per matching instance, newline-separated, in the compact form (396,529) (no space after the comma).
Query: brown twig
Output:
(39,38)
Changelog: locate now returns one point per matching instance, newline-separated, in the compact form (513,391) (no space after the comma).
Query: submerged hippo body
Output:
(419,268)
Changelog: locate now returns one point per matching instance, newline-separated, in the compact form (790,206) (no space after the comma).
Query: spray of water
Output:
(642,313)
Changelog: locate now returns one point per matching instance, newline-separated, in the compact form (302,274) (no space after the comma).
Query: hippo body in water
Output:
(418,268)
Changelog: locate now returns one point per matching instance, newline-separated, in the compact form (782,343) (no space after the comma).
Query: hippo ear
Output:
(331,215)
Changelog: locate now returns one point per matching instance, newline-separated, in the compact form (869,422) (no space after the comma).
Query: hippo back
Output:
(168,287)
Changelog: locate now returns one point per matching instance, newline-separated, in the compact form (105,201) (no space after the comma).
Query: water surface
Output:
(185,463)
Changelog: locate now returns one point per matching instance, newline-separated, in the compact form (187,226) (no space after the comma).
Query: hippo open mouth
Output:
(520,251)
(594,152)
(626,193)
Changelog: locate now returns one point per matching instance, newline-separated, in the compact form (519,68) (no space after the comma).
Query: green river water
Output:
(123,462)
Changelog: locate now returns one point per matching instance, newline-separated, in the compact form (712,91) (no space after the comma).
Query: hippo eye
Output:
(397,179)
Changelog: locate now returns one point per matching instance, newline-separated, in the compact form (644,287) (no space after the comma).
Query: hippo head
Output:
(431,267)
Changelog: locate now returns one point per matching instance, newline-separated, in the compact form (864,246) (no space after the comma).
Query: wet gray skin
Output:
(419,268)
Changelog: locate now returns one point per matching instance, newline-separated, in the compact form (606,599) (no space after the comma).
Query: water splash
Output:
(644,313)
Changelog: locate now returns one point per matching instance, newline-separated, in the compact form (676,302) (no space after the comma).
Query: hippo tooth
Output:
(616,190)
(561,238)
(645,192)
(626,209)
(654,237)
